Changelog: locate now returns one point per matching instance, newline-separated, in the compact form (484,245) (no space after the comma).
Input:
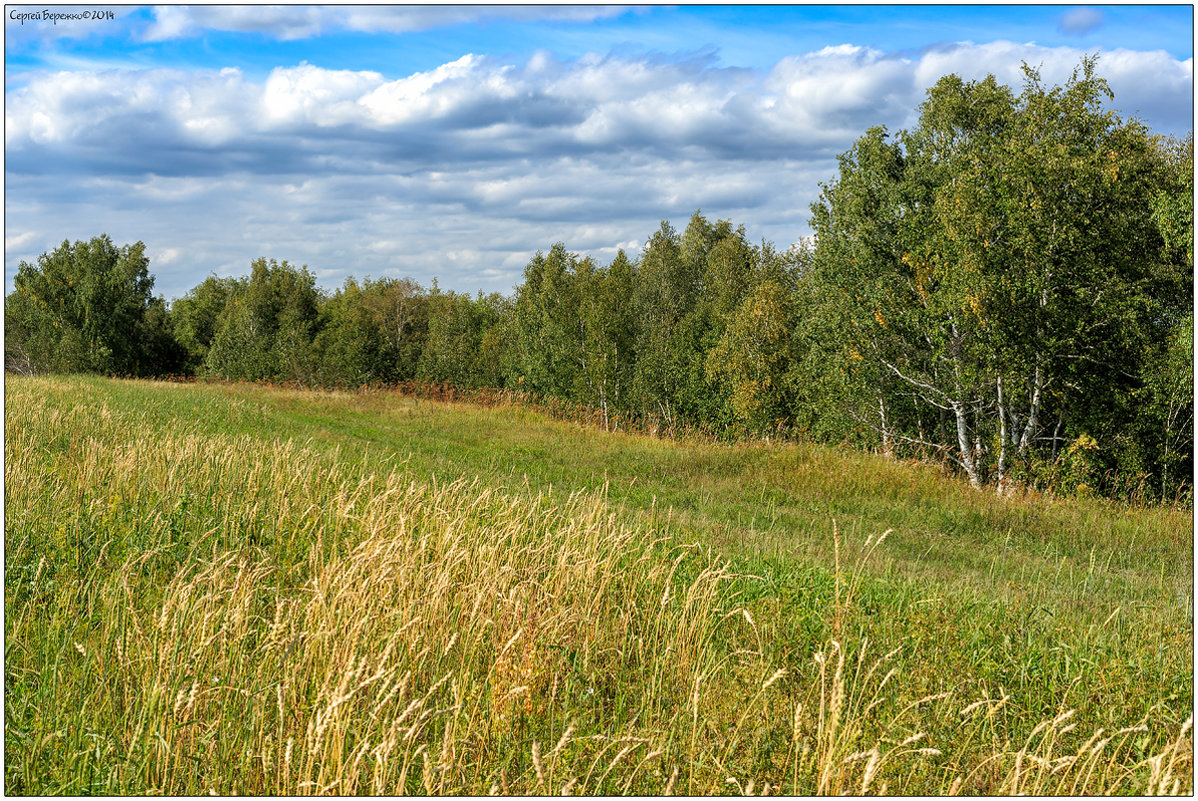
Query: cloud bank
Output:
(465,170)
(289,22)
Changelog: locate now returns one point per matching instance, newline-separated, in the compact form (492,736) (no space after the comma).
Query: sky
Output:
(454,142)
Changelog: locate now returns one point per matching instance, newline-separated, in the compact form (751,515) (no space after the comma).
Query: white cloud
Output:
(18,241)
(430,95)
(301,22)
(81,108)
(840,91)
(1081,20)
(1152,85)
(464,171)
(165,256)
(317,96)
(478,109)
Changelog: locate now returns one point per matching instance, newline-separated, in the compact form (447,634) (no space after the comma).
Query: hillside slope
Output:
(478,585)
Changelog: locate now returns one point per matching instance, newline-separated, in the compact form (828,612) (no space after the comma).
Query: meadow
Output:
(243,589)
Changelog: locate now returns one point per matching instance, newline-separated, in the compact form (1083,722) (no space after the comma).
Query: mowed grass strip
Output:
(246,589)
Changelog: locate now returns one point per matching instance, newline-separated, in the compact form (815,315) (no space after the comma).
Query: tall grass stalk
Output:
(190,613)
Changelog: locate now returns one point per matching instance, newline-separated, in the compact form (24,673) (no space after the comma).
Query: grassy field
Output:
(240,589)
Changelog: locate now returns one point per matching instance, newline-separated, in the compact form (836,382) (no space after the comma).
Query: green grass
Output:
(227,504)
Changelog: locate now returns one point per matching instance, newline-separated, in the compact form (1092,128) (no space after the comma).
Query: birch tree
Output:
(89,306)
(997,259)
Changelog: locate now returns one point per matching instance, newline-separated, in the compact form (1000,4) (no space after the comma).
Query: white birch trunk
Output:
(1033,415)
(1001,469)
(968,454)
(887,446)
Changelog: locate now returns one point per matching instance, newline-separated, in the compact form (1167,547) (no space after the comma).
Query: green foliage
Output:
(350,342)
(399,309)
(1167,410)
(550,333)
(752,355)
(371,332)
(686,292)
(267,327)
(1173,204)
(89,307)
(196,316)
(997,268)
(170,558)
(1011,275)
(609,333)
(665,293)
(162,352)
(458,329)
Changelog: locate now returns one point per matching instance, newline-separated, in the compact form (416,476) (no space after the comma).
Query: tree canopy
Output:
(999,269)
(1007,286)
(88,307)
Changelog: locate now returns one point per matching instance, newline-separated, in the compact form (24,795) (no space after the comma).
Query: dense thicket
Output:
(1000,282)
(88,307)
(1007,285)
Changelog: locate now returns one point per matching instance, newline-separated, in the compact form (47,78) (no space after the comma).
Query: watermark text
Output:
(55,17)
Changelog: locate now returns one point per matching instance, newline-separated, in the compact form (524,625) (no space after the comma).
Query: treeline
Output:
(1008,287)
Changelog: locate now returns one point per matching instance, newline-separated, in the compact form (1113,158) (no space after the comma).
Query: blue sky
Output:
(455,141)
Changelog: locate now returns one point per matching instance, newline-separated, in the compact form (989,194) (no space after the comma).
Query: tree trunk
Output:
(1033,415)
(1001,483)
(1056,435)
(968,452)
(887,446)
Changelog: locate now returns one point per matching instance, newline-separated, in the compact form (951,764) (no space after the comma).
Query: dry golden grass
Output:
(320,631)
(421,661)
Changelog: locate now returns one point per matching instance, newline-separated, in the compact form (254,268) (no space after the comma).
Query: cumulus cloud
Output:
(307,94)
(838,92)
(1081,20)
(1152,85)
(465,170)
(480,109)
(98,109)
(301,22)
